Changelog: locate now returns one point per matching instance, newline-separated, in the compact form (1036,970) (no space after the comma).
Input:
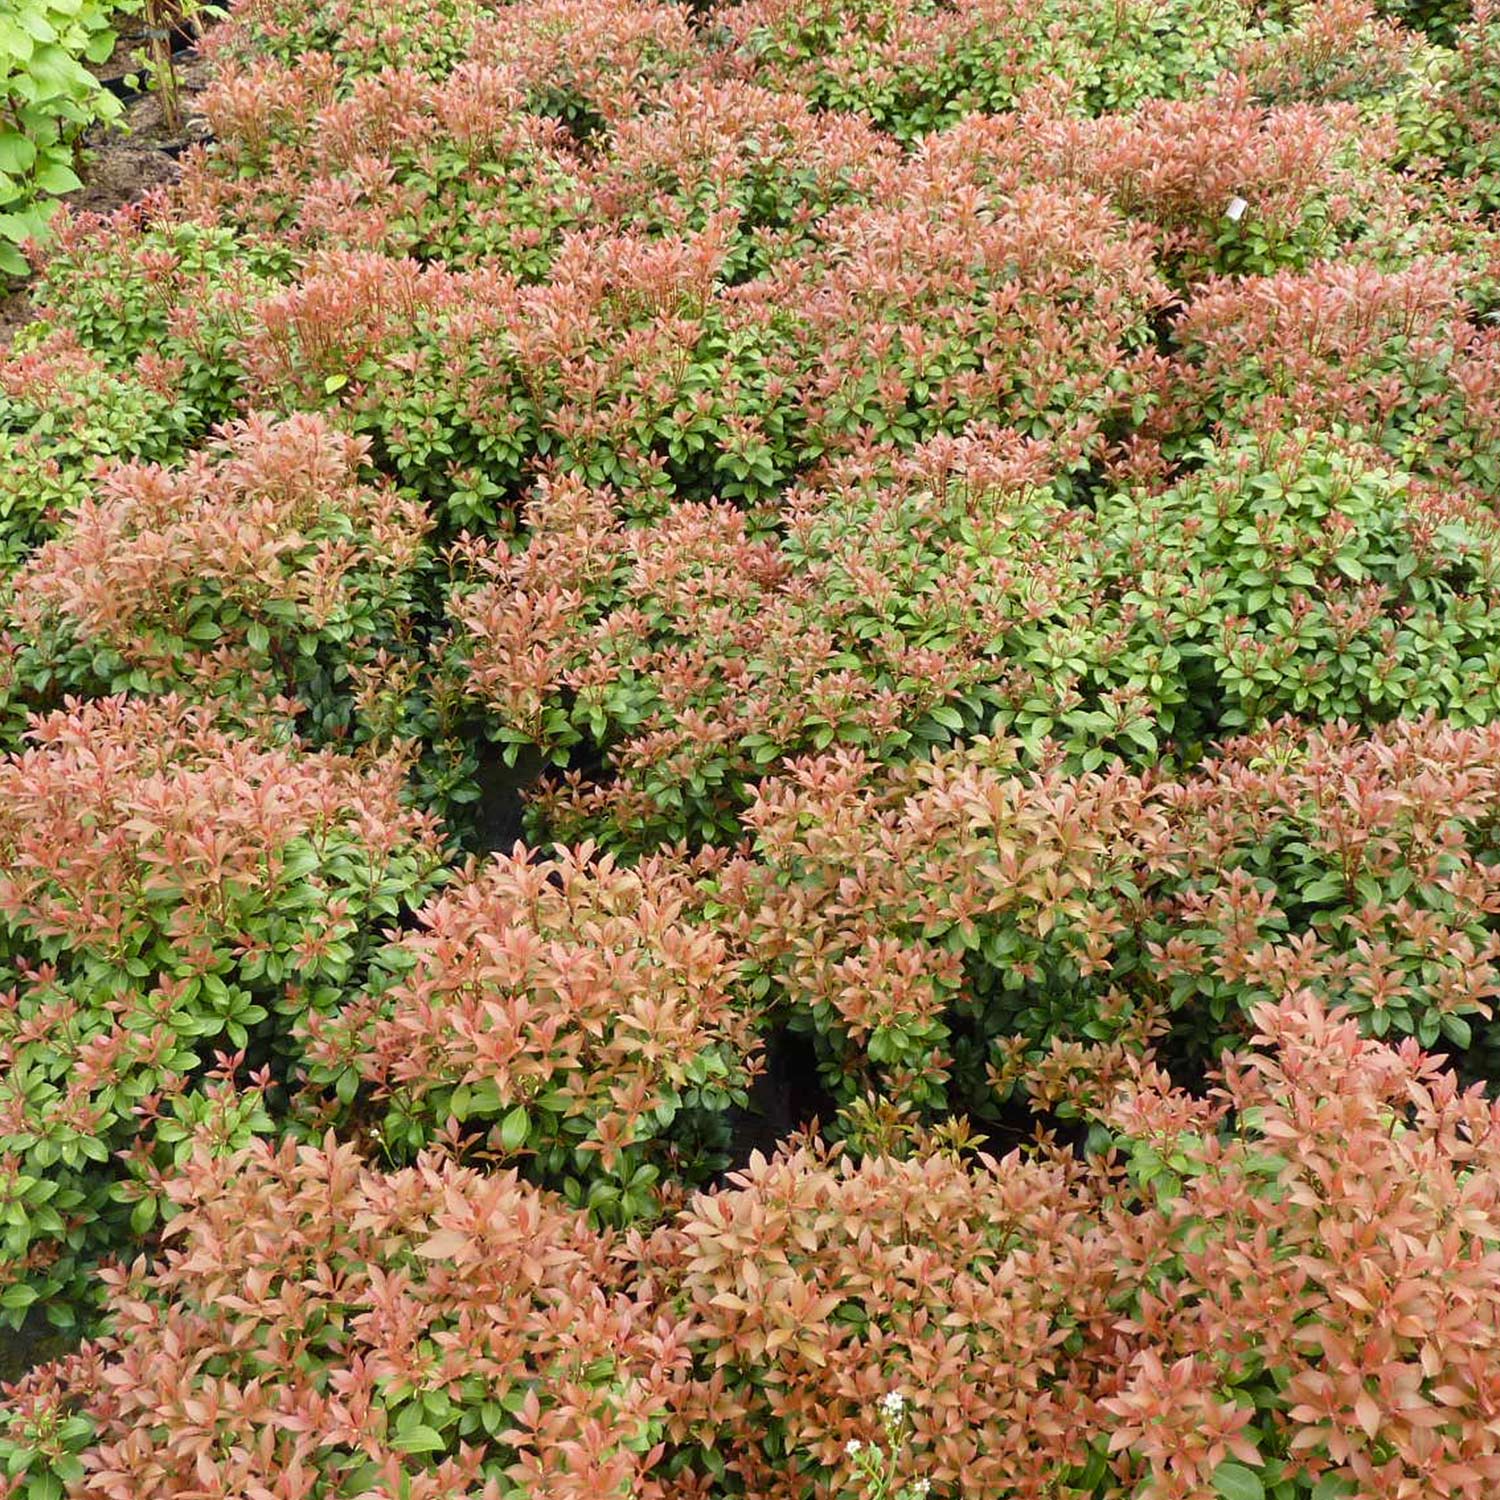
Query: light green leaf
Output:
(56,177)
(1236,1482)
(515,1128)
(17,153)
(419,1439)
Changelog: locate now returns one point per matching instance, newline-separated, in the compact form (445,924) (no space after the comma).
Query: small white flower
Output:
(920,1488)
(892,1404)
(852,1447)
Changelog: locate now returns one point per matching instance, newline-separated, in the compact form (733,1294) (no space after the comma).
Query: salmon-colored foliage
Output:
(569,1006)
(913,599)
(169,890)
(264,562)
(1218,1292)
(427,1333)
(748,751)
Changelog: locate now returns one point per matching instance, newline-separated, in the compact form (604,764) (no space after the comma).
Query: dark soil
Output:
(15,312)
(32,1343)
(122,162)
(120,165)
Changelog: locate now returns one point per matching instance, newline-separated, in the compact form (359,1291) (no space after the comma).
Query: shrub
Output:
(921,316)
(449,170)
(637,364)
(63,411)
(146,287)
(900,607)
(952,593)
(132,357)
(914,65)
(1149,1307)
(1118,1321)
(359,39)
(621,368)
(172,892)
(1466,104)
(914,919)
(589,63)
(429,1333)
(1273,1307)
(1342,50)
(1352,867)
(816,1285)
(705,147)
(567,1011)
(1466,443)
(963,534)
(1307,575)
(935,926)
(263,570)
(1340,344)
(1307,174)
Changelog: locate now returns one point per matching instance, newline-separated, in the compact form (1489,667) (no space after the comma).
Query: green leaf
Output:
(16,152)
(57,177)
(143,1215)
(515,1128)
(1332,1487)
(1088,1477)
(1457,1030)
(15,43)
(101,44)
(419,1439)
(1236,1482)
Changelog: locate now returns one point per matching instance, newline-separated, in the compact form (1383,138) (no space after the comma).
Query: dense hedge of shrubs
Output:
(753,750)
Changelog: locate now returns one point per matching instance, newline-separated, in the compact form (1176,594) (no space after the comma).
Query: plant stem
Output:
(163,72)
